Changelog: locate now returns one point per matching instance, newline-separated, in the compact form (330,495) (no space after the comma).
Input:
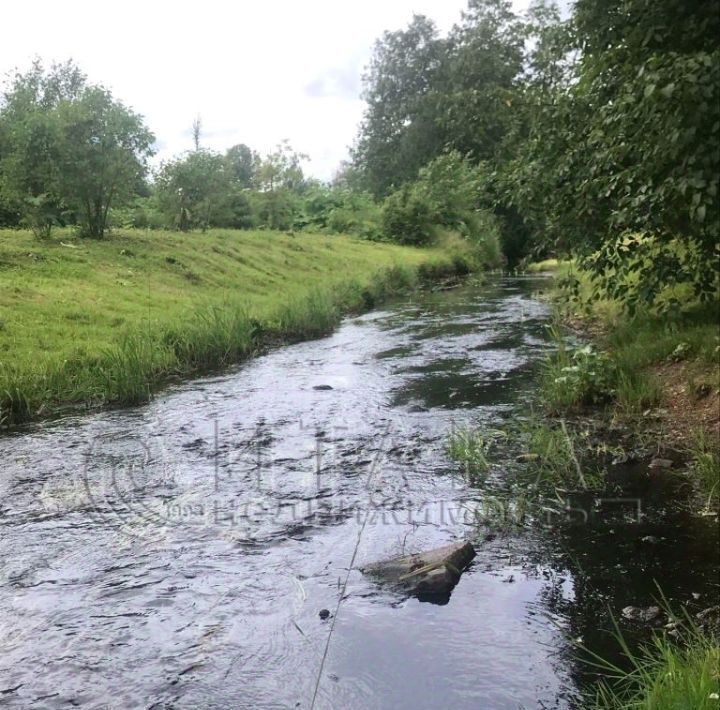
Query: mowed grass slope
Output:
(85,321)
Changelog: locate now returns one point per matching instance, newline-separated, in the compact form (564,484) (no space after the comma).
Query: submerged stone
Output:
(642,614)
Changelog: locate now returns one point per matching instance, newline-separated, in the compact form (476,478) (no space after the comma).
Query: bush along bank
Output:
(652,373)
(211,336)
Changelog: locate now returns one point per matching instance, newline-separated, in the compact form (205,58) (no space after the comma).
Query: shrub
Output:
(583,377)
(407,218)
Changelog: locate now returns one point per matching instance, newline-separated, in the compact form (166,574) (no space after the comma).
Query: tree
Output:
(279,179)
(623,154)
(399,132)
(68,147)
(193,188)
(484,64)
(104,147)
(197,131)
(30,139)
(242,163)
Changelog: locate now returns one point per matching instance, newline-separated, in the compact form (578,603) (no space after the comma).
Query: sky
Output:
(256,72)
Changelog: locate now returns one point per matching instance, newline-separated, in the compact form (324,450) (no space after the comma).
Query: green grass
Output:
(558,456)
(470,447)
(546,265)
(628,347)
(96,322)
(705,458)
(553,454)
(667,674)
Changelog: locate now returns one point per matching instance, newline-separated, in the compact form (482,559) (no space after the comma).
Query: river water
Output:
(177,555)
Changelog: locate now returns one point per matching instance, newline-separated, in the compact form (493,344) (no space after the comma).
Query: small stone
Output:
(527,458)
(645,615)
(322,388)
(649,539)
(660,463)
(324,614)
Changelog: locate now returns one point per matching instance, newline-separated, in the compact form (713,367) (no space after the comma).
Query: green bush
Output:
(583,377)
(444,198)
(408,219)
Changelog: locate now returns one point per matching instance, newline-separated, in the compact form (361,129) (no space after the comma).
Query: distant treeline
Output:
(597,135)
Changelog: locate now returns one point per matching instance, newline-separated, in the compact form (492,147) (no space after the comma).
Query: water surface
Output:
(177,555)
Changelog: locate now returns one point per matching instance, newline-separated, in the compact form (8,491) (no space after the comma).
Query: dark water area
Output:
(177,555)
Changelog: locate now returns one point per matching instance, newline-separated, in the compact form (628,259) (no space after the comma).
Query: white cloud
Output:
(257,72)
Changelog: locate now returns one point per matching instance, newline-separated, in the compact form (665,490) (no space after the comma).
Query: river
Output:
(177,555)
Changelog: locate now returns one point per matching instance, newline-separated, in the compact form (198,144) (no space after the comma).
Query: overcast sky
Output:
(256,71)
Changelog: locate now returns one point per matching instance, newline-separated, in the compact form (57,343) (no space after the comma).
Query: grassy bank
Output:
(655,369)
(665,674)
(95,322)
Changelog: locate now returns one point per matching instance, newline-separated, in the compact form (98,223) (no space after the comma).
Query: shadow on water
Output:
(177,555)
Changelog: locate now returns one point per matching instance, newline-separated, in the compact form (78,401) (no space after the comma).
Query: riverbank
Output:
(650,382)
(89,323)
(653,373)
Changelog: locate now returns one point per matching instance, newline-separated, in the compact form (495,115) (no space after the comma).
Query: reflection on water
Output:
(177,555)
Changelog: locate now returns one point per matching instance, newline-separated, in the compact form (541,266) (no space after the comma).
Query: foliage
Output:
(68,147)
(443,197)
(407,218)
(30,138)
(597,135)
(577,378)
(195,190)
(242,164)
(337,209)
(620,163)
(483,62)
(399,133)
(103,151)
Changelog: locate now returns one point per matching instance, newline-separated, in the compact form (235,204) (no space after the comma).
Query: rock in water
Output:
(430,575)
(660,463)
(642,614)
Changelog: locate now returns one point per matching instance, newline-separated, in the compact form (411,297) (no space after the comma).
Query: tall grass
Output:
(312,316)
(213,336)
(705,457)
(666,674)
(558,458)
(574,378)
(471,447)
